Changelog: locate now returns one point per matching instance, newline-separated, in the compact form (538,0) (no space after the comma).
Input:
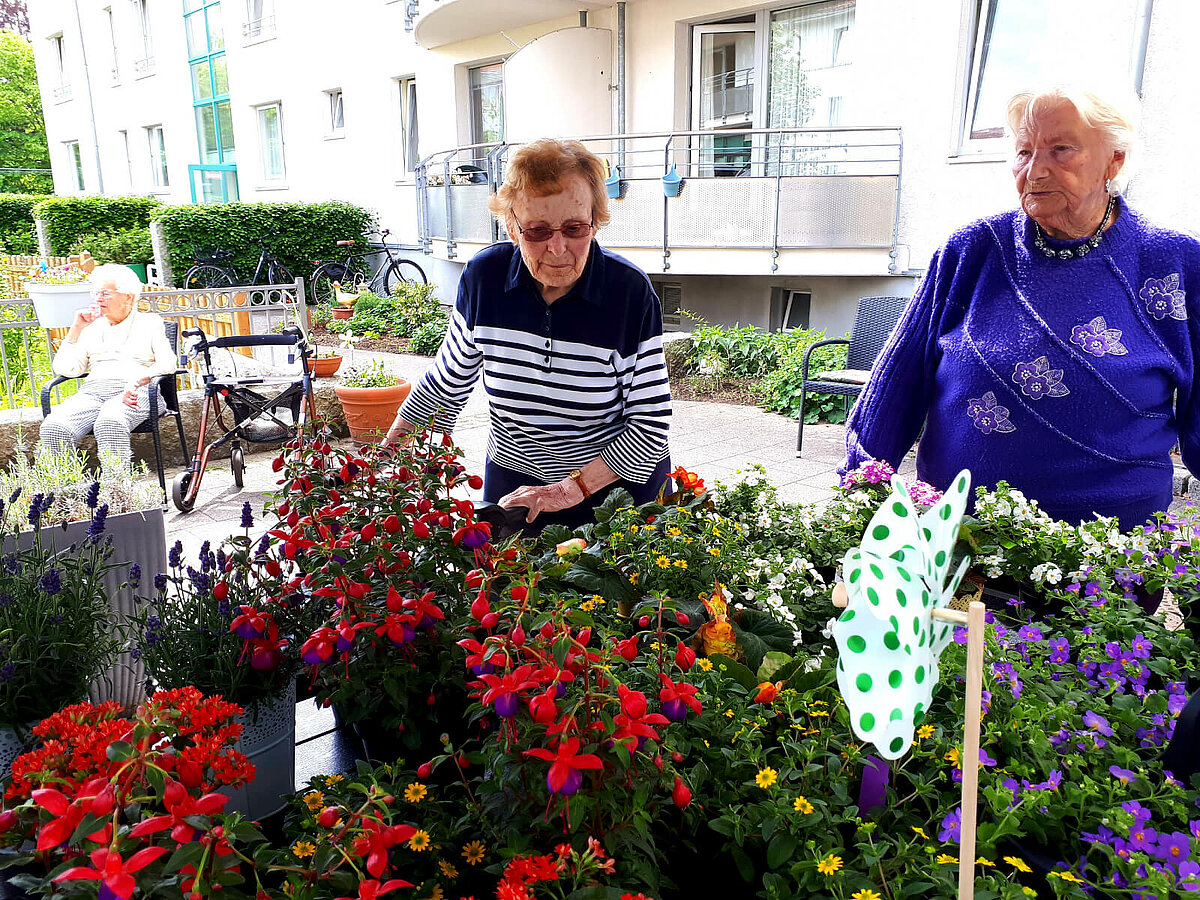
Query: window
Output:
(270,139)
(214,178)
(75,165)
(260,20)
(143,64)
(408,125)
(112,44)
(486,87)
(337,112)
(158,156)
(62,87)
(671,296)
(128,159)
(1017,43)
(796,310)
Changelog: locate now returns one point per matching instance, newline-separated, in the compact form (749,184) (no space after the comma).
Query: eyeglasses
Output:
(539,234)
(104,293)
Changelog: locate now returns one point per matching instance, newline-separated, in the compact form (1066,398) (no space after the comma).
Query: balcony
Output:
(752,201)
(62,93)
(438,22)
(260,29)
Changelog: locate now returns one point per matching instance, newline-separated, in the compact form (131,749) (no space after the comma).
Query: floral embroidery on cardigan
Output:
(1037,380)
(1163,297)
(988,415)
(1096,338)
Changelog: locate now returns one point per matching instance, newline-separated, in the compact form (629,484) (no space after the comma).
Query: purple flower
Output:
(1060,650)
(93,495)
(1097,723)
(7,671)
(135,575)
(160,582)
(1135,809)
(51,582)
(960,634)
(1142,838)
(96,529)
(951,829)
(1163,298)
(984,759)
(1103,835)
(988,415)
(1097,338)
(1141,646)
(1124,775)
(1030,633)
(175,556)
(35,510)
(1174,847)
(1037,380)
(247,515)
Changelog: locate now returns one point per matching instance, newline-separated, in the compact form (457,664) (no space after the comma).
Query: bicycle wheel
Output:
(277,273)
(403,271)
(207,276)
(321,284)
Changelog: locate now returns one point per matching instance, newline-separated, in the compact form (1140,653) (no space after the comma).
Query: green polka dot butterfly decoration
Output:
(888,640)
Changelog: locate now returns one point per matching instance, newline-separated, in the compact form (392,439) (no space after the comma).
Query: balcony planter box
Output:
(371,411)
(137,537)
(56,304)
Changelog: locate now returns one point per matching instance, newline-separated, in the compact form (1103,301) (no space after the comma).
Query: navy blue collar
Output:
(587,287)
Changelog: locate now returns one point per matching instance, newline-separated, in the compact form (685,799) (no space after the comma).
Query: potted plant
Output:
(229,627)
(324,364)
(343,302)
(370,396)
(129,509)
(58,292)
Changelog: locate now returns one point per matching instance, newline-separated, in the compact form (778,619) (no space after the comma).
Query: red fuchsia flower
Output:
(112,870)
(426,611)
(480,606)
(477,656)
(627,649)
(347,632)
(376,840)
(473,535)
(67,815)
(685,656)
(320,647)
(566,766)
(504,690)
(543,708)
(180,805)
(681,794)
(250,624)
(292,543)
(370,889)
(677,699)
(398,628)
(767,692)
(633,723)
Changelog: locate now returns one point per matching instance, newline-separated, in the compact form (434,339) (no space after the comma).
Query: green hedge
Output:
(69,218)
(17,236)
(307,232)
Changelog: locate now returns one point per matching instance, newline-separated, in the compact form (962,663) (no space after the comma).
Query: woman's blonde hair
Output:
(538,170)
(1114,114)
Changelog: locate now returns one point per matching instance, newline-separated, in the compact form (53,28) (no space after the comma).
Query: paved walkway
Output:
(715,440)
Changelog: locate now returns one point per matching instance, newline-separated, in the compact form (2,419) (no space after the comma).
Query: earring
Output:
(1111,188)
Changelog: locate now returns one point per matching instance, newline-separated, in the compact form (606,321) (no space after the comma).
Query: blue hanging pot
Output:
(612,184)
(672,183)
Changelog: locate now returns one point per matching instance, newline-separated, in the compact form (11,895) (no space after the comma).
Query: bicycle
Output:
(215,269)
(349,275)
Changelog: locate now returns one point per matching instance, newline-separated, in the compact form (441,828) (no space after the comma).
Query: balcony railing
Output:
(143,66)
(773,189)
(62,93)
(260,29)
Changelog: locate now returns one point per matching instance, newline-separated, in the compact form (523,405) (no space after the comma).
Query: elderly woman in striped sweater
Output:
(568,338)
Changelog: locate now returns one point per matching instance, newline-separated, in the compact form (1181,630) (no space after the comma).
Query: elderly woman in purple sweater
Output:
(1053,347)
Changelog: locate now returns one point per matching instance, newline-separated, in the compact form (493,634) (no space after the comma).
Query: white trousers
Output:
(99,409)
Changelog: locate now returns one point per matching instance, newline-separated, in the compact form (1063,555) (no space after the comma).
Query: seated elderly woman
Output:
(568,338)
(121,350)
(1053,347)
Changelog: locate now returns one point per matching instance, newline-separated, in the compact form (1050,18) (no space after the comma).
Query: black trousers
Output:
(498,481)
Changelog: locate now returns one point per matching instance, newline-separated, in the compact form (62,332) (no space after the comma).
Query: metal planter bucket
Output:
(270,743)
(672,183)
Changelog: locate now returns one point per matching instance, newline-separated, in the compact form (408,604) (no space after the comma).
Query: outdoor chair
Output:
(167,385)
(876,318)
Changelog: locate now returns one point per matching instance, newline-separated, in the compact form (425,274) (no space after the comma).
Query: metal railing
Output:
(27,349)
(776,189)
(259,29)
(62,93)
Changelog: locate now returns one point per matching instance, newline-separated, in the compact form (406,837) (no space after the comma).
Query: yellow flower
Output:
(673,532)
(633,529)
(1017,863)
(331,780)
(925,731)
(689,540)
(714,551)
(587,605)
(448,870)
(314,800)
(419,841)
(829,864)
(729,713)
(983,861)
(920,831)
(705,664)
(944,859)
(1068,876)
(818,712)
(662,562)
(435,893)
(716,531)
(801,805)
(596,598)
(1028,891)
(866,894)
(473,853)
(303,849)
(415,793)
(680,563)
(953,756)
(766,777)
(633,578)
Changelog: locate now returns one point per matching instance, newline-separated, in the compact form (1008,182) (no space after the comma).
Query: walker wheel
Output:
(179,490)
(237,464)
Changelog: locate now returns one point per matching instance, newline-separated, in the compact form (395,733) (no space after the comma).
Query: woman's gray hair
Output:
(1113,113)
(125,279)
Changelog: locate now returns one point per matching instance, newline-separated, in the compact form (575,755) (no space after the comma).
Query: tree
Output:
(13,16)
(22,130)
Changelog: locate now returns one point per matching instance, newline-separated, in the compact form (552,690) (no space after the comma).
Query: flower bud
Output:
(681,795)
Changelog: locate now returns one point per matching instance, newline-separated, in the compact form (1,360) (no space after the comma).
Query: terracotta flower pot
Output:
(371,411)
(343,313)
(324,366)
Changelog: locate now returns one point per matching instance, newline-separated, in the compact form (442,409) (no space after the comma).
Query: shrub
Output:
(70,218)
(306,232)
(16,223)
(428,339)
(780,388)
(129,245)
(409,308)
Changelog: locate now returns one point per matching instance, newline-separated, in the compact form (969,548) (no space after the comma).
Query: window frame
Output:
(264,155)
(160,179)
(260,27)
(335,99)
(790,296)
(115,72)
(471,92)
(143,65)
(75,164)
(407,117)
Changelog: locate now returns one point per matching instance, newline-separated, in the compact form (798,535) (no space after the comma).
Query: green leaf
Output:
(723,825)
(780,849)
(732,669)
(744,865)
(773,662)
(617,499)
(119,751)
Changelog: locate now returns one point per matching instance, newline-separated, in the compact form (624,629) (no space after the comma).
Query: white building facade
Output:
(825,148)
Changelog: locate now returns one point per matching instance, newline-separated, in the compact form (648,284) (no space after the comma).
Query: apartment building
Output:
(825,148)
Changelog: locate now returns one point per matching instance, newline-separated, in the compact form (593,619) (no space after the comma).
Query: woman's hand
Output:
(544,498)
(398,433)
(130,397)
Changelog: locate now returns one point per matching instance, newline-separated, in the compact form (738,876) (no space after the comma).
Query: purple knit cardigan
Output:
(1069,379)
